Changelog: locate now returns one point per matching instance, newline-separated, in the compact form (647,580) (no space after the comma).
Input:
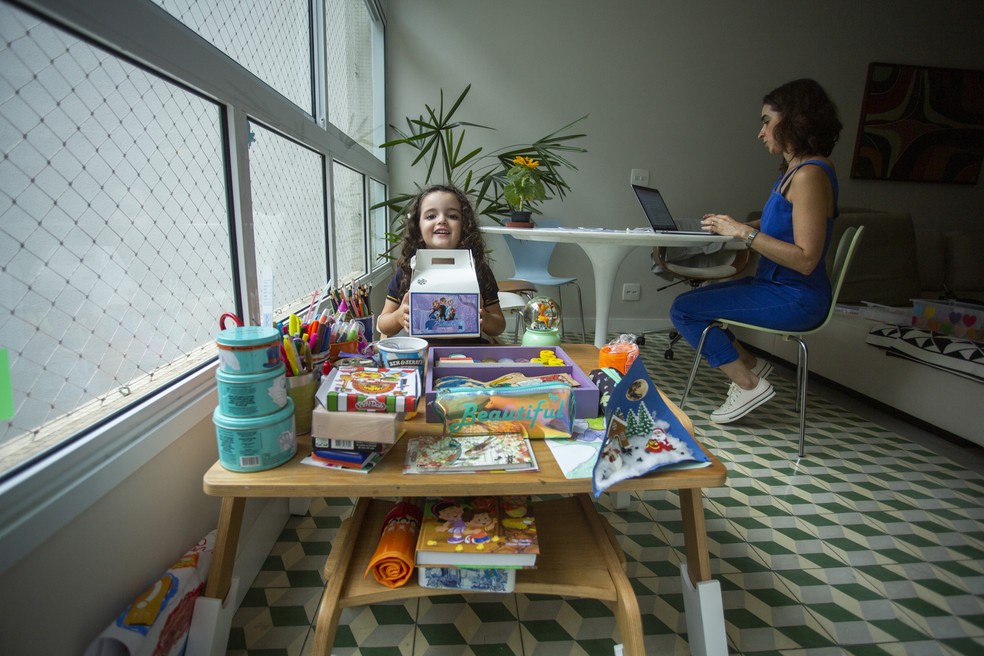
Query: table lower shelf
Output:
(579,557)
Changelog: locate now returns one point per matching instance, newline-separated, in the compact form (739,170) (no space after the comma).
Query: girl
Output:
(441,217)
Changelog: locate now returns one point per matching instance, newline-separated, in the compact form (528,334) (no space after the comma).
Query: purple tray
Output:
(585,397)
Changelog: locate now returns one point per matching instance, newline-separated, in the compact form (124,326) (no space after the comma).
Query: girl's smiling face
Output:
(440,220)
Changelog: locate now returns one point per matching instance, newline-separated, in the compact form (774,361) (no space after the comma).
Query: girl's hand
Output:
(404,311)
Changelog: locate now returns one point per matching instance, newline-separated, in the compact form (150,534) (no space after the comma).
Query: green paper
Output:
(6,392)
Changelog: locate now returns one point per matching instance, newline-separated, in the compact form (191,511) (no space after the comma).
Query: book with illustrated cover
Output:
(436,454)
(367,389)
(483,532)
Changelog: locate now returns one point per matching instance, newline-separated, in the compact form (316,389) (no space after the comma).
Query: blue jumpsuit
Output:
(775,297)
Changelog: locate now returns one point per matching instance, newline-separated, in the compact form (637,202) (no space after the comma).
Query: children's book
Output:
(483,532)
(453,454)
(367,389)
(642,434)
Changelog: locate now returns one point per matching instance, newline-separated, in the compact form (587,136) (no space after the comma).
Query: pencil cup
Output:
(301,390)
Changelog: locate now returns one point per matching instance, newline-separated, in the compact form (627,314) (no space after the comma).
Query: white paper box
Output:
(444,294)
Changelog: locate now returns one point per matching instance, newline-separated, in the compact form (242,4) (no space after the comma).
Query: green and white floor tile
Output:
(872,544)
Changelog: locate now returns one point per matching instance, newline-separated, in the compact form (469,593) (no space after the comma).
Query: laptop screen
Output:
(655,209)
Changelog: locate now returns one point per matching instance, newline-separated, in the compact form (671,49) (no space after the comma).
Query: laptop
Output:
(659,215)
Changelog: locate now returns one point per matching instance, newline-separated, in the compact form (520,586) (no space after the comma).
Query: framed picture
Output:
(921,124)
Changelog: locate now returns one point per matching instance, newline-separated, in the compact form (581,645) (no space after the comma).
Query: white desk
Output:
(606,249)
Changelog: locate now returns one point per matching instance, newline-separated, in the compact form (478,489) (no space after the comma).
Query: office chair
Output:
(720,265)
(532,259)
(842,261)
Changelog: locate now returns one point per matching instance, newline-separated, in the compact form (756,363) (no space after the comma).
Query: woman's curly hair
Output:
(809,125)
(413,239)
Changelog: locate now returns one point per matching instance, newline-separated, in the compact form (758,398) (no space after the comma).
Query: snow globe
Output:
(542,319)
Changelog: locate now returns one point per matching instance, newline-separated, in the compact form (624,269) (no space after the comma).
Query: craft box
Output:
(444,294)
(949,318)
(585,395)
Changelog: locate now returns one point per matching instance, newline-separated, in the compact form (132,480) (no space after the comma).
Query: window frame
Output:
(42,497)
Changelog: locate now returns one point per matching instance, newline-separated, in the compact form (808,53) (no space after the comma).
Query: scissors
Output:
(230,316)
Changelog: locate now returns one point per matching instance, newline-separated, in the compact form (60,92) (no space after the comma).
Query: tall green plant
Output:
(438,138)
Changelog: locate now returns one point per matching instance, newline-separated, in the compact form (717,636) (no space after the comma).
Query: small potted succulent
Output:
(523,188)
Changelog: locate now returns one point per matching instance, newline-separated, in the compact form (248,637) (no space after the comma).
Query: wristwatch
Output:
(751,237)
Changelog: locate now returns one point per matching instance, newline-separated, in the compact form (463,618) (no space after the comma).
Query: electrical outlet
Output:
(630,291)
(639,177)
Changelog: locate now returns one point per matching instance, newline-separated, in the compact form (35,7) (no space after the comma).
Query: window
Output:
(133,186)
(288,197)
(269,38)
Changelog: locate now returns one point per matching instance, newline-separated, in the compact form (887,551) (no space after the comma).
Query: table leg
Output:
(226,543)
(627,614)
(605,262)
(335,571)
(702,602)
(695,534)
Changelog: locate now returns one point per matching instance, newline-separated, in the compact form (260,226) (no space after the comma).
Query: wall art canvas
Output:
(921,124)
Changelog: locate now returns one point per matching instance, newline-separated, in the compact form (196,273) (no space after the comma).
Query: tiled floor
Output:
(871,544)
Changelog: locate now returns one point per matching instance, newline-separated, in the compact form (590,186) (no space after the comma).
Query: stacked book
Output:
(458,454)
(476,543)
(358,415)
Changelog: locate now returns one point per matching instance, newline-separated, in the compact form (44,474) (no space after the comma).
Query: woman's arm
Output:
(812,197)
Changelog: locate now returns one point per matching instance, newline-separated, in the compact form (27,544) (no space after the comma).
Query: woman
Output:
(790,289)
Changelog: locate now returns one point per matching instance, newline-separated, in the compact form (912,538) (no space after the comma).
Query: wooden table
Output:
(579,556)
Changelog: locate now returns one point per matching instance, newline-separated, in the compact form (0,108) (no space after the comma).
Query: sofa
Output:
(894,264)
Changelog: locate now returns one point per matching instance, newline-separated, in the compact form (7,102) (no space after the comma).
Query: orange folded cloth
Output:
(392,562)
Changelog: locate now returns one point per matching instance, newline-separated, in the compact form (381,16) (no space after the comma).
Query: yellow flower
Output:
(528,162)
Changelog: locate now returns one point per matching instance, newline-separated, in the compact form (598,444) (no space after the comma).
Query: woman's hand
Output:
(722,224)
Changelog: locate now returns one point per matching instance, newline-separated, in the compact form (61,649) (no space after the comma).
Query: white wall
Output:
(673,87)
(62,595)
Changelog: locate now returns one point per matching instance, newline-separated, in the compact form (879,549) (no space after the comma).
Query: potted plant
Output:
(438,140)
(523,188)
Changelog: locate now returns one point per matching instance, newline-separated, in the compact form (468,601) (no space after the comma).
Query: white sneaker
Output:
(762,368)
(741,401)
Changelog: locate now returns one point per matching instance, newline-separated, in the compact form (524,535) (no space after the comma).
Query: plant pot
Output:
(520,220)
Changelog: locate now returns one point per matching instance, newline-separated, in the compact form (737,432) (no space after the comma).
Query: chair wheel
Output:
(641,341)
(668,354)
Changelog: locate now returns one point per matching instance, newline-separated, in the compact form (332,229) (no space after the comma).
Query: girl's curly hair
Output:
(413,239)
(809,125)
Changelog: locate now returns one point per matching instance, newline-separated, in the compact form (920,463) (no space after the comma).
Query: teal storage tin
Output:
(249,349)
(252,395)
(248,444)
